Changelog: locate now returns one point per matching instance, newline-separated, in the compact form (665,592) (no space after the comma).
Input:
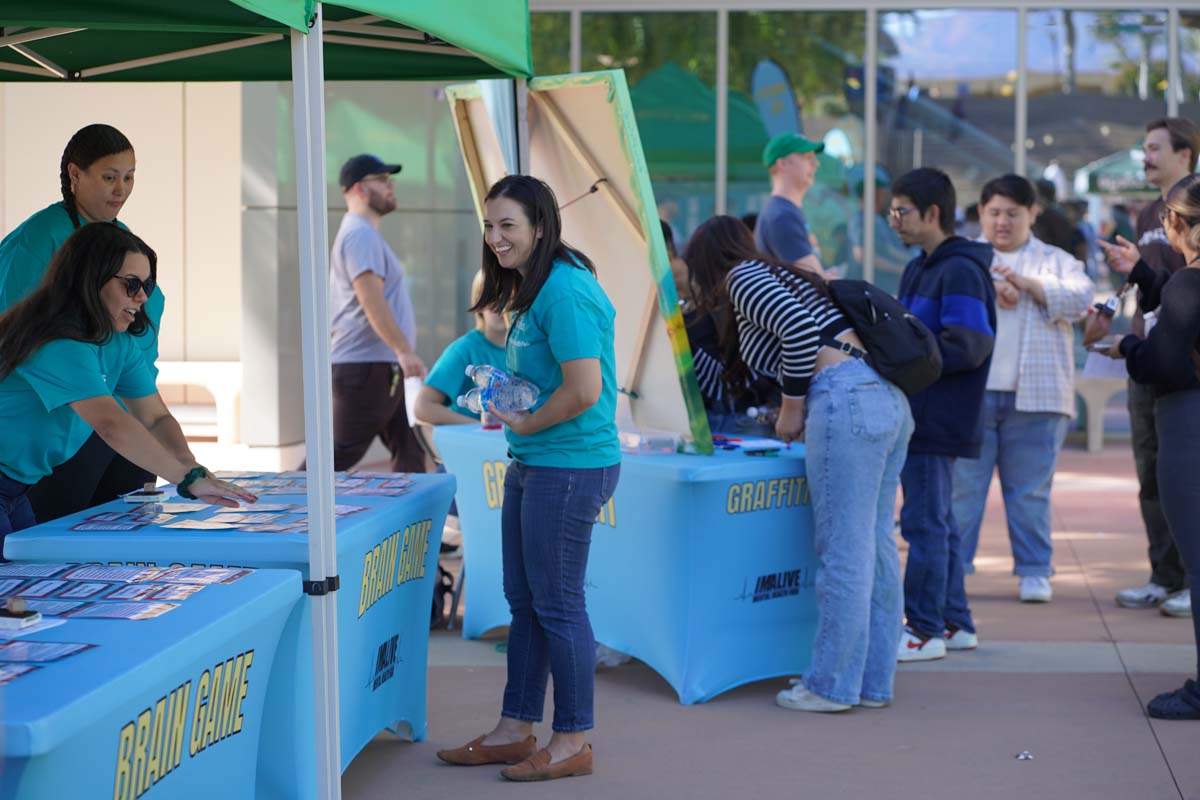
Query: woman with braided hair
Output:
(96,176)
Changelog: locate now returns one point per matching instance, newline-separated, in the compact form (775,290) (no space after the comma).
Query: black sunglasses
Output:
(133,284)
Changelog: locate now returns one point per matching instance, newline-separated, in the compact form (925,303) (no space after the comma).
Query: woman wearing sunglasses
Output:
(68,351)
(96,177)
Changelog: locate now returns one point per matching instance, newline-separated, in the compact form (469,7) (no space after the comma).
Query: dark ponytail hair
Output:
(67,303)
(86,147)
(507,289)
(718,245)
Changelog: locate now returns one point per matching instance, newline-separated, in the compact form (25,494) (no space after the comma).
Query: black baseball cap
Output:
(361,166)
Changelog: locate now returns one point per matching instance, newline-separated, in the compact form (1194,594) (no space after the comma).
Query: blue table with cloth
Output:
(703,567)
(146,711)
(387,560)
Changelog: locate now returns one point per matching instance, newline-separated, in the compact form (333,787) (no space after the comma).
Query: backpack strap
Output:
(845,347)
(826,341)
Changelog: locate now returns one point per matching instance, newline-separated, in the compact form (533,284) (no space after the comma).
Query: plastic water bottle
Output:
(504,396)
(497,387)
(483,374)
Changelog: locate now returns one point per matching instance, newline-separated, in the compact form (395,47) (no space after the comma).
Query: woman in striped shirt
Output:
(856,426)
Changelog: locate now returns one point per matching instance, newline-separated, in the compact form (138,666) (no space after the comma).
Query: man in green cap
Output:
(781,232)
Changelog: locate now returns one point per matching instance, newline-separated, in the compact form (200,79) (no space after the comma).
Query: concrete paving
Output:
(1065,682)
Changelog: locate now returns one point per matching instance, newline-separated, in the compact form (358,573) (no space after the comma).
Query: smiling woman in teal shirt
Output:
(96,177)
(566,461)
(68,351)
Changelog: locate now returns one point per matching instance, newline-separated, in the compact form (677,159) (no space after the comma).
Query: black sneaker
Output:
(1183,703)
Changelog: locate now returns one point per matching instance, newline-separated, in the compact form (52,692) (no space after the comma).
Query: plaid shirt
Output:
(1046,364)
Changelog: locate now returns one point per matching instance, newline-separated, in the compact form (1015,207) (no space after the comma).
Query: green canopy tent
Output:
(1121,172)
(249,40)
(244,40)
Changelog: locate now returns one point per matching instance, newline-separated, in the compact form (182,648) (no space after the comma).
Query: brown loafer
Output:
(538,767)
(474,752)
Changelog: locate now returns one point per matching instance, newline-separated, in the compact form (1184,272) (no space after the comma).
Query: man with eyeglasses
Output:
(948,286)
(374,330)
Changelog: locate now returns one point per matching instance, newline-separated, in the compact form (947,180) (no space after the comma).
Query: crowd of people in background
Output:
(1007,290)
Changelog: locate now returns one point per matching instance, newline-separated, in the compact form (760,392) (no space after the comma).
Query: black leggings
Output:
(1177,416)
(94,475)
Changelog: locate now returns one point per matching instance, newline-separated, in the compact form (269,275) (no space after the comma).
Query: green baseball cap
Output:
(787,143)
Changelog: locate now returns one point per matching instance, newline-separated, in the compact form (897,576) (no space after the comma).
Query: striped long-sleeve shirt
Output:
(781,321)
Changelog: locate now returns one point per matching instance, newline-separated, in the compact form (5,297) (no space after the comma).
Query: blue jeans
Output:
(1024,446)
(546,529)
(934,594)
(857,431)
(15,511)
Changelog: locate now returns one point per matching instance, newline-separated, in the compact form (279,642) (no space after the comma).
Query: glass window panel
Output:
(1189,64)
(1095,79)
(434,230)
(946,95)
(670,63)
(820,54)
(550,37)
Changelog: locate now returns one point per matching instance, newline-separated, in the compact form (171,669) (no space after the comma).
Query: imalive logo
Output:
(775,585)
(385,662)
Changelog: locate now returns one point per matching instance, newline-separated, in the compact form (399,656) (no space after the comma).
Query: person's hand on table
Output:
(789,426)
(519,422)
(1096,327)
(221,493)
(1122,256)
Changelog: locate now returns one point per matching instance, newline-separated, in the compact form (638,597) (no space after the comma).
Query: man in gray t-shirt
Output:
(374,332)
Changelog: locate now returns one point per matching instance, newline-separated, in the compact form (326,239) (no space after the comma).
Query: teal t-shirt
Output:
(25,256)
(449,373)
(570,318)
(41,429)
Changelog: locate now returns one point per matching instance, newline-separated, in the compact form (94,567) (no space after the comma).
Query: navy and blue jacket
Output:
(951,291)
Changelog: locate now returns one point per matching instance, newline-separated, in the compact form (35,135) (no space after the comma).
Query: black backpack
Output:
(899,346)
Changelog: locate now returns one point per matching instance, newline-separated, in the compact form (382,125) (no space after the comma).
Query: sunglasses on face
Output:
(134,284)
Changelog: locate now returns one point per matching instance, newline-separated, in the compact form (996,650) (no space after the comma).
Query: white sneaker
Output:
(914,648)
(1035,589)
(1149,596)
(865,702)
(799,698)
(958,639)
(1178,604)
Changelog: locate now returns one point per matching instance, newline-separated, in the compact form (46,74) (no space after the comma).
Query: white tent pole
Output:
(238,44)
(26,69)
(387,44)
(36,35)
(39,59)
(308,85)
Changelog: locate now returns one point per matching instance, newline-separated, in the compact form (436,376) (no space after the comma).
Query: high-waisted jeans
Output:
(546,528)
(857,431)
